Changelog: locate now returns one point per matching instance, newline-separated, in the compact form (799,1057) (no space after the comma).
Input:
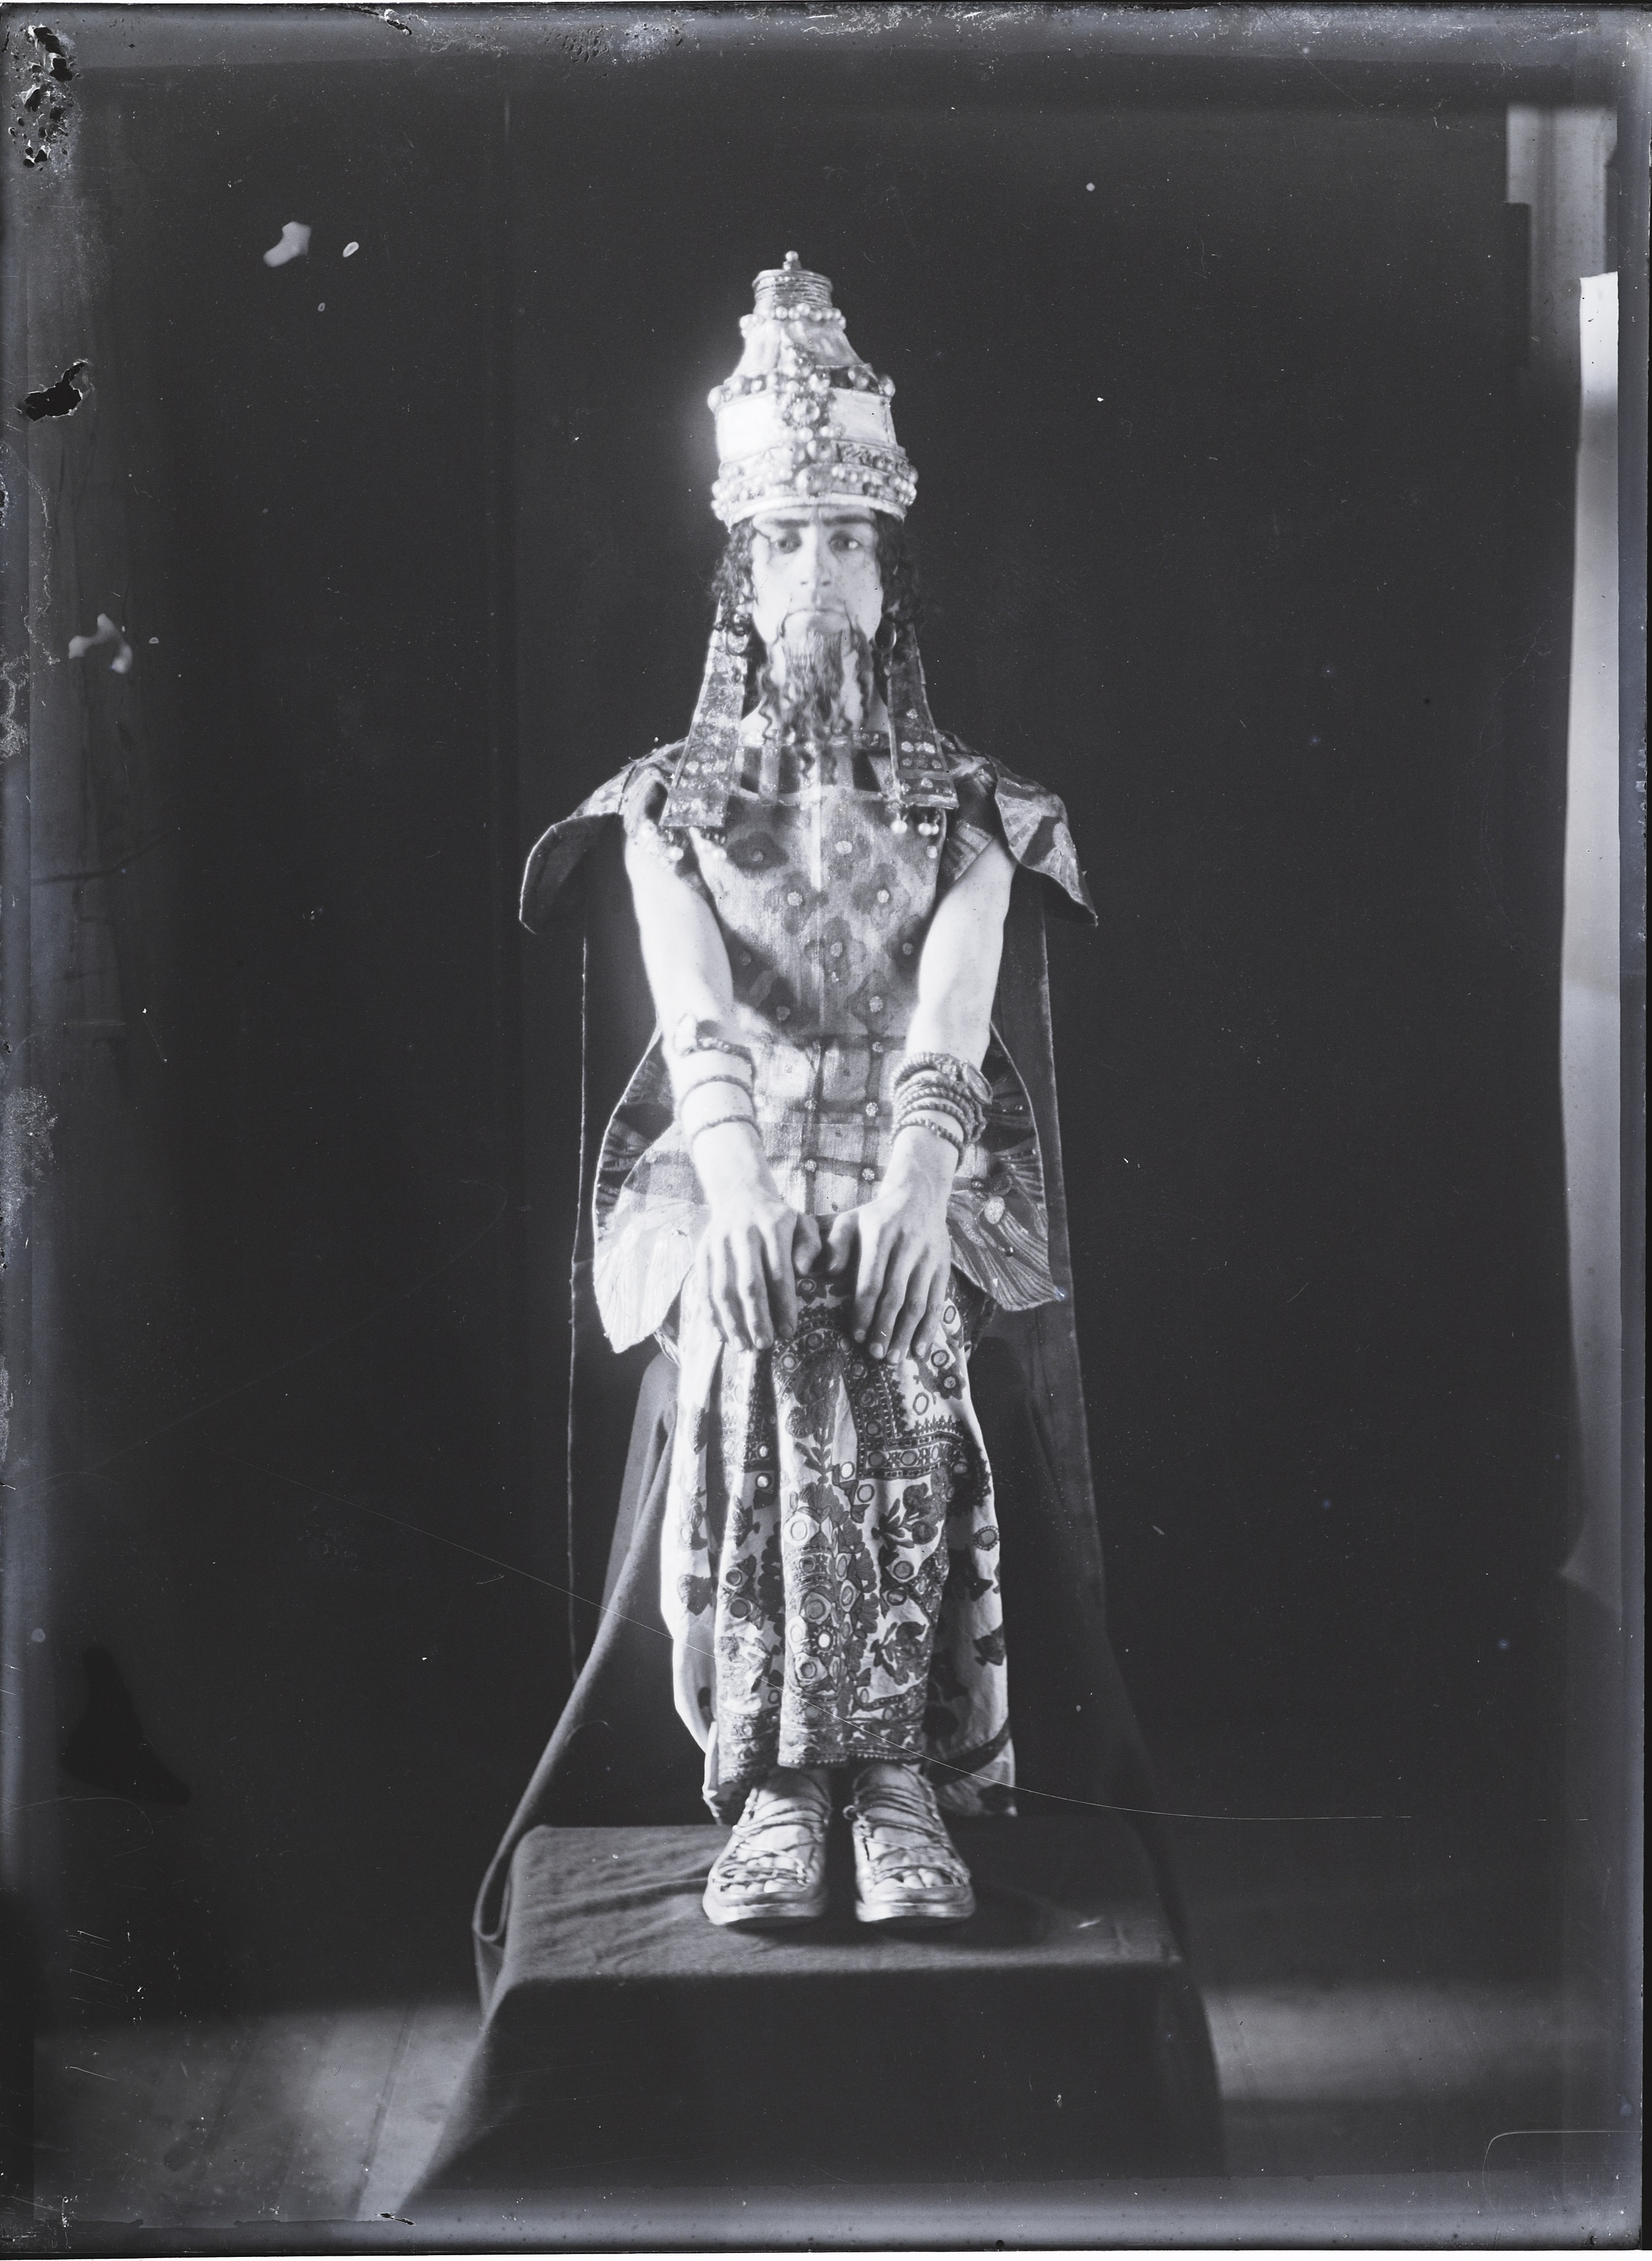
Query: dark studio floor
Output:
(1370,1987)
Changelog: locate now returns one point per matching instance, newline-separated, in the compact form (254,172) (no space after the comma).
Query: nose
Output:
(820,561)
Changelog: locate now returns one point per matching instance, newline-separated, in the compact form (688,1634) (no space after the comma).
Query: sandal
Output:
(906,1870)
(773,1869)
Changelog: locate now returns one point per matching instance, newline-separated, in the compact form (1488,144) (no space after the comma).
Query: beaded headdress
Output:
(803,419)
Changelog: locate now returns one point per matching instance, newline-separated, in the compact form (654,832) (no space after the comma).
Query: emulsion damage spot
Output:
(60,400)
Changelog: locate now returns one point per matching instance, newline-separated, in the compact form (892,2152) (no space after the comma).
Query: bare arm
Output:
(898,1241)
(957,974)
(755,1242)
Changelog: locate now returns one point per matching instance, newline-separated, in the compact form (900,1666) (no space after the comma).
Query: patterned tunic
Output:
(830,1552)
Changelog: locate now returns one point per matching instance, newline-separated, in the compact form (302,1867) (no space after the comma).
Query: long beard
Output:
(809,689)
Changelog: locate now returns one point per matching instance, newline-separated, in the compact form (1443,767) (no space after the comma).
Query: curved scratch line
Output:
(1503,2134)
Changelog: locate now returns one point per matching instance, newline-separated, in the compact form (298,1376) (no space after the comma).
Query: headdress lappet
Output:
(803,419)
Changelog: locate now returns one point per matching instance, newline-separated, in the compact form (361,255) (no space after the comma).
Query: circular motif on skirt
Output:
(865,1494)
(847,1596)
(808,1669)
(802,1529)
(902,1572)
(739,1608)
(921,1401)
(815,1608)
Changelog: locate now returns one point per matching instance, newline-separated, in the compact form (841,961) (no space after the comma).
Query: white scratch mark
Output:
(14,677)
(295,241)
(106,633)
(26,1122)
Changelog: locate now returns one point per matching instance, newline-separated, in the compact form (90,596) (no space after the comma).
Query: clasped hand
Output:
(896,1246)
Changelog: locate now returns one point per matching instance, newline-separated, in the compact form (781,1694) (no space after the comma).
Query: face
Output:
(815,564)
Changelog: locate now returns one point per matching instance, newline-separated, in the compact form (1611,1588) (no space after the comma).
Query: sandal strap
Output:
(743,1856)
(893,1807)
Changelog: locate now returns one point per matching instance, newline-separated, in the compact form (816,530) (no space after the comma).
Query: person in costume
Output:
(827,1180)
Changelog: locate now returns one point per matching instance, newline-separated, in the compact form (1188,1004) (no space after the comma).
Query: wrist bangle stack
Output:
(945,1088)
(693,1113)
(701,1056)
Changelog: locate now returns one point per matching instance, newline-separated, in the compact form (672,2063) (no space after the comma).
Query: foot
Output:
(906,1870)
(773,1869)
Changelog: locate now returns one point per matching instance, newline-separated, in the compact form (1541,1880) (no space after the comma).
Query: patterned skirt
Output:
(829,1557)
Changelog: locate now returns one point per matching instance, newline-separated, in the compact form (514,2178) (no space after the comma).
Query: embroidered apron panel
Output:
(829,1559)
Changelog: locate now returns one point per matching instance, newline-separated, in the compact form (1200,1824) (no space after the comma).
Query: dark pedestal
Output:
(630,2042)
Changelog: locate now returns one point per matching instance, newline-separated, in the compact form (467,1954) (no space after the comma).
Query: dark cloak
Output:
(620,1754)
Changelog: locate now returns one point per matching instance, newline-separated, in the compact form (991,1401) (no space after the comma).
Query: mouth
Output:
(827,611)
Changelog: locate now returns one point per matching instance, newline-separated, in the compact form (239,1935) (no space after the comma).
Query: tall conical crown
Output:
(803,419)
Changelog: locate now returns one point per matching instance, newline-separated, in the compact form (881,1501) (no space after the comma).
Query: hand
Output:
(902,1252)
(751,1253)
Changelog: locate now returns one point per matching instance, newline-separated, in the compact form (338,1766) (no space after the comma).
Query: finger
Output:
(753,1286)
(931,1334)
(914,1305)
(806,1244)
(708,1283)
(869,1276)
(896,1278)
(840,1240)
(725,1302)
(778,1249)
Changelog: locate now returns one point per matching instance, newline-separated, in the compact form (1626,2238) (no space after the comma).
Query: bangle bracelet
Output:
(717,1122)
(953,1133)
(935,1131)
(923,1089)
(692,1035)
(722,1075)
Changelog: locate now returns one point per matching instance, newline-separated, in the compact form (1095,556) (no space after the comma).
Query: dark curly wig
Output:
(897,570)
